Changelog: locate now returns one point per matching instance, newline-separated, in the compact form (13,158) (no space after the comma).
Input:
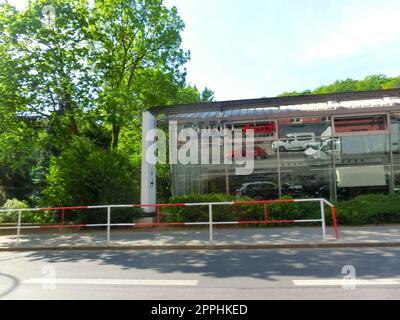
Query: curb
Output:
(205,247)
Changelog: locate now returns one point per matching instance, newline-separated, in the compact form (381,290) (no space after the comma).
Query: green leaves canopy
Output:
(87,76)
(99,65)
(373,82)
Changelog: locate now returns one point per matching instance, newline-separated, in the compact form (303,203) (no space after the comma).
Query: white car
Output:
(325,151)
(294,142)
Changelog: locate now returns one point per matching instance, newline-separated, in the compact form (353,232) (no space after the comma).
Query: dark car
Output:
(348,193)
(267,190)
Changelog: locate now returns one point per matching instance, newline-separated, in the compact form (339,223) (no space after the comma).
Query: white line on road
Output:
(128,282)
(347,282)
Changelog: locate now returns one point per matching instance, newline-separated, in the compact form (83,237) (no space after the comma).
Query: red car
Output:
(258,154)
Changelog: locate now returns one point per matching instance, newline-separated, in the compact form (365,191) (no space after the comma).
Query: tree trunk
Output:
(67,108)
(115,136)
(72,124)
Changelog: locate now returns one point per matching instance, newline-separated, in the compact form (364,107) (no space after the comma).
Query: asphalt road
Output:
(202,275)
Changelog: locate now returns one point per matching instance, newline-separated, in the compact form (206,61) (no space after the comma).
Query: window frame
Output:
(304,138)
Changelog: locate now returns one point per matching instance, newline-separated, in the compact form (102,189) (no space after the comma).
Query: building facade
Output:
(334,146)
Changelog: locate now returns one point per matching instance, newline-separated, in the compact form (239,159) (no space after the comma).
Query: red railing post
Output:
(265,212)
(62,216)
(335,226)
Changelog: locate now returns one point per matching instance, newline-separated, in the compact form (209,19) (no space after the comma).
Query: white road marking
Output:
(128,282)
(347,282)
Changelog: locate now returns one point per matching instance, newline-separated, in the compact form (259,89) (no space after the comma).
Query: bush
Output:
(251,212)
(369,209)
(363,209)
(285,211)
(200,213)
(85,174)
(26,217)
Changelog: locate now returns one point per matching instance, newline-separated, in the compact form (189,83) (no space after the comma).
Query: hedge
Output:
(282,211)
(361,210)
(27,216)
(369,209)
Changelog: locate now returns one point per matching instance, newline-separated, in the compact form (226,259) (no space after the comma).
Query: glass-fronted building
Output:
(333,145)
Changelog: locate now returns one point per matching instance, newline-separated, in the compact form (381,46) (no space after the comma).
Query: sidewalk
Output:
(296,237)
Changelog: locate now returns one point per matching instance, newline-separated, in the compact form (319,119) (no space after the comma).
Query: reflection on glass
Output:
(305,159)
(313,161)
(354,124)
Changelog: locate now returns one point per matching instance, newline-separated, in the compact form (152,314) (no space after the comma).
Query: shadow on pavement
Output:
(11,284)
(262,264)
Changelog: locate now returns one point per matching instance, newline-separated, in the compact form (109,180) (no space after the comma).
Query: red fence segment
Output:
(335,226)
(265,212)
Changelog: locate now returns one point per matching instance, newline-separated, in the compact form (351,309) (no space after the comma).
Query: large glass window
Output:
(263,183)
(334,158)
(395,140)
(305,155)
(362,165)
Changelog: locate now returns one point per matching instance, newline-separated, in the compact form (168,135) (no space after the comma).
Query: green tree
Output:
(44,85)
(207,95)
(87,77)
(373,82)
(51,76)
(84,174)
(137,42)
(392,83)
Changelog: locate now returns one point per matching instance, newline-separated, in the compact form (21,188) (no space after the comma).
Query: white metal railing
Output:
(158,222)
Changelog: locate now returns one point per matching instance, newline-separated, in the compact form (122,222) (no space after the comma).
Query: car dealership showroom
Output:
(334,146)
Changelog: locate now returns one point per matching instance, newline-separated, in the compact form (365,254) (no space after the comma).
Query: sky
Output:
(261,48)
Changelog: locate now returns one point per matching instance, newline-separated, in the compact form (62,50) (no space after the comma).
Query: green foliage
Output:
(163,185)
(82,84)
(51,76)
(369,209)
(12,217)
(296,93)
(138,57)
(247,212)
(392,83)
(87,175)
(373,82)
(200,213)
(26,217)
(96,67)
(364,209)
(15,183)
(285,211)
(207,95)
